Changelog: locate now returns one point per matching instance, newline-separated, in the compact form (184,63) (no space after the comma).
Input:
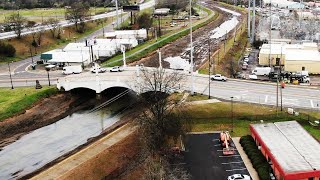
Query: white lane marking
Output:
(230,156)
(219,150)
(266,99)
(217,145)
(311,102)
(236,169)
(232,162)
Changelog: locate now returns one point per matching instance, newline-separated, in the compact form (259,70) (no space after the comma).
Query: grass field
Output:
(13,101)
(45,13)
(218,116)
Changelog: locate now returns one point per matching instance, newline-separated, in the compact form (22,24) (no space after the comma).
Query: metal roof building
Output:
(292,152)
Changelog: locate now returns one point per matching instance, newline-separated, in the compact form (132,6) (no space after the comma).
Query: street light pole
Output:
(10,76)
(232,112)
(191,50)
(31,54)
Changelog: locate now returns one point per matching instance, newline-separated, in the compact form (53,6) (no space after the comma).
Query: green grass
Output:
(46,13)
(163,40)
(16,100)
(217,117)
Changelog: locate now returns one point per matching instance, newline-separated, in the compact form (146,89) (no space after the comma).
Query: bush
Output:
(256,157)
(7,49)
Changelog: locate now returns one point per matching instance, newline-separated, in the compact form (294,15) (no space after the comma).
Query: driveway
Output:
(204,158)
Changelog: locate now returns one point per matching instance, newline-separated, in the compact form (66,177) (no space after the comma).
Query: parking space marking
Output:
(232,162)
(236,169)
(236,155)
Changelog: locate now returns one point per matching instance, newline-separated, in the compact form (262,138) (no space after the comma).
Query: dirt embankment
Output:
(44,112)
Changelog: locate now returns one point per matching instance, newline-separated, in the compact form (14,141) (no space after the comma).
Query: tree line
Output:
(30,4)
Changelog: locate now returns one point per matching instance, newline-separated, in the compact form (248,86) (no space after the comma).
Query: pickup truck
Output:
(218,77)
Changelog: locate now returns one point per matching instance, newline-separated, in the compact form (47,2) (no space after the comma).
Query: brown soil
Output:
(200,37)
(44,112)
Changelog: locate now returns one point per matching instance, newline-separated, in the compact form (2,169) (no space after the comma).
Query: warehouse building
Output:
(293,57)
(290,150)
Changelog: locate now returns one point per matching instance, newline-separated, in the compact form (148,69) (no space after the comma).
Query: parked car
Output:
(246,60)
(239,176)
(245,64)
(246,55)
(99,69)
(253,77)
(218,77)
(116,69)
(244,67)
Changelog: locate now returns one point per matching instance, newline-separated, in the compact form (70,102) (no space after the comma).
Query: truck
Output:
(72,70)
(261,71)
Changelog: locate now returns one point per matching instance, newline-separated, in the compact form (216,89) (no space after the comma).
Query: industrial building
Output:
(127,34)
(293,57)
(290,150)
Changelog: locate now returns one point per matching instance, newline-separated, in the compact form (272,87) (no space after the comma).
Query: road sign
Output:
(130,8)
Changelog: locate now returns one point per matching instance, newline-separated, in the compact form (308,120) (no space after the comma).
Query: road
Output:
(241,90)
(66,23)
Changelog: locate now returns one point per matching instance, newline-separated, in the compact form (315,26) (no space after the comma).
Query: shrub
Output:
(7,49)
(256,157)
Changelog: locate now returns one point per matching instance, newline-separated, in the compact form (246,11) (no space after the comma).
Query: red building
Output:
(290,150)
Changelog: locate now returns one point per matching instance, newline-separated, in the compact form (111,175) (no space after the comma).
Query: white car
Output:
(99,69)
(239,176)
(116,69)
(218,77)
(246,60)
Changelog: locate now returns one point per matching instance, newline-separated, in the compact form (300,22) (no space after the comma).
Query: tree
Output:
(77,13)
(145,21)
(54,26)
(16,22)
(160,119)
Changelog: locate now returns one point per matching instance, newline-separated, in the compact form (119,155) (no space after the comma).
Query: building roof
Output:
(275,49)
(291,146)
(302,55)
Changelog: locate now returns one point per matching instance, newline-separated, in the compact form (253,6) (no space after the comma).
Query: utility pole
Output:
(225,40)
(253,21)
(249,19)
(159,25)
(31,54)
(270,35)
(191,50)
(209,66)
(118,14)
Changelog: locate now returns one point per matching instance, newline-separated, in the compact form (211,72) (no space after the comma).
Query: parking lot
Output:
(205,160)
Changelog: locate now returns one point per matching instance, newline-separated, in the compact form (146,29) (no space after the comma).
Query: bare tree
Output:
(54,26)
(77,13)
(17,22)
(160,119)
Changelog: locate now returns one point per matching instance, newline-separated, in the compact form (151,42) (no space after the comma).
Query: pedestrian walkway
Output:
(204,101)
(253,173)
(66,167)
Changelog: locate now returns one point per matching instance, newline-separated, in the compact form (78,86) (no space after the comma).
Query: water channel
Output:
(37,148)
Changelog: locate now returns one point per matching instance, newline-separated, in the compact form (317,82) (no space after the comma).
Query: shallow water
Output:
(34,150)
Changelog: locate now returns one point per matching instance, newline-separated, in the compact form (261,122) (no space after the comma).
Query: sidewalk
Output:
(72,164)
(253,173)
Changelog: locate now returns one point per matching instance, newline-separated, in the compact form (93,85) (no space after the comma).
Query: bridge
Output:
(129,78)
(263,93)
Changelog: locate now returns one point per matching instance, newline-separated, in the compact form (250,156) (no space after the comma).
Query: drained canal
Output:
(37,148)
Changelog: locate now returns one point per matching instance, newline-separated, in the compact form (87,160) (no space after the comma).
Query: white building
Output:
(127,34)
(284,4)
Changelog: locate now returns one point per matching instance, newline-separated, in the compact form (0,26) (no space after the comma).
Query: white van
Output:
(261,71)
(72,69)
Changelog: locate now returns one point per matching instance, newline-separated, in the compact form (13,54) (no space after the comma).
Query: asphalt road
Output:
(204,159)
